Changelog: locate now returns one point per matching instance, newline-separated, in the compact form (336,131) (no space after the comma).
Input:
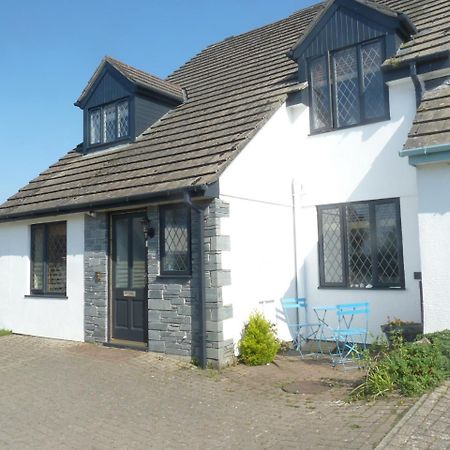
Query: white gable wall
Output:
(434,224)
(41,316)
(359,163)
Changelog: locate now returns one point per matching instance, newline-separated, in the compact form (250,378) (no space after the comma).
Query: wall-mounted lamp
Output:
(149,232)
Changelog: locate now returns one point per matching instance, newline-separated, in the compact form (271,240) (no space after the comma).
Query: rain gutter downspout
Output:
(294,224)
(418,87)
(202,291)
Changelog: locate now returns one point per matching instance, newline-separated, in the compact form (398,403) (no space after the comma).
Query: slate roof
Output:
(138,77)
(432,122)
(233,88)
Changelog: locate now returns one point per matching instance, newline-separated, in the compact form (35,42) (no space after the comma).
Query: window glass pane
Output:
(388,269)
(56,258)
(175,255)
(332,245)
(359,245)
(320,94)
(138,279)
(109,123)
(121,266)
(373,86)
(94,126)
(122,119)
(37,257)
(345,73)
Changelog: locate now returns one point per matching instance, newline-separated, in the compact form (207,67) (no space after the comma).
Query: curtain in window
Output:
(94,126)
(122,119)
(332,246)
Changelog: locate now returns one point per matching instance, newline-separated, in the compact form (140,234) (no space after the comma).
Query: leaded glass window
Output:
(175,240)
(122,119)
(346,87)
(372,80)
(95,126)
(109,123)
(332,245)
(48,258)
(358,93)
(320,94)
(360,245)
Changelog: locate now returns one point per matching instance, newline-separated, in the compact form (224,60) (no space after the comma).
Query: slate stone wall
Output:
(96,277)
(174,313)
(174,304)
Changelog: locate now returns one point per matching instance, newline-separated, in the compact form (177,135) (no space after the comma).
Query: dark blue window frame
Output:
(332,96)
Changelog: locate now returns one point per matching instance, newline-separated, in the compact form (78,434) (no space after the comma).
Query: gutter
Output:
(427,154)
(202,283)
(207,190)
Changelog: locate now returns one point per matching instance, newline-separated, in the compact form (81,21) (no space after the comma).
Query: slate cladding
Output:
(233,87)
(432,122)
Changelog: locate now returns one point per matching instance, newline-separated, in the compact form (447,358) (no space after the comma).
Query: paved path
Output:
(425,426)
(56,394)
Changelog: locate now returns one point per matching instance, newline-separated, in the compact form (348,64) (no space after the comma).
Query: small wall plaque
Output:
(129,293)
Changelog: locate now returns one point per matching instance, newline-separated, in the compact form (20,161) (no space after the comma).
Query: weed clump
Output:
(408,368)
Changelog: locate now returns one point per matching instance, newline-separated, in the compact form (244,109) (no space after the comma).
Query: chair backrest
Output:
(292,303)
(346,313)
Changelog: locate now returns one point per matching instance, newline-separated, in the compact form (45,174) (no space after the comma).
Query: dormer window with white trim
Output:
(347,87)
(109,123)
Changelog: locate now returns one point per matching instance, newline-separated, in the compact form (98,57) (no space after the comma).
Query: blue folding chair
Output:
(352,331)
(301,332)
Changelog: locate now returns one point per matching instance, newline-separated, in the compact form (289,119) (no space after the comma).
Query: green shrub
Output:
(441,340)
(410,368)
(4,332)
(258,344)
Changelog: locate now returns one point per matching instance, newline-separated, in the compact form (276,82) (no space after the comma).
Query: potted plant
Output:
(407,330)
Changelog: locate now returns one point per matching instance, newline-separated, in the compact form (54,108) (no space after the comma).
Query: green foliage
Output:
(258,344)
(409,368)
(441,340)
(4,332)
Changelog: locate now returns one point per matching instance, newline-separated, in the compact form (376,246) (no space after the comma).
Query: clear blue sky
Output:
(50,48)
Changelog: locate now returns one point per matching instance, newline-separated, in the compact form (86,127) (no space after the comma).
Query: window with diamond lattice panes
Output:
(332,245)
(122,119)
(109,123)
(320,94)
(345,71)
(360,245)
(358,92)
(48,258)
(95,126)
(372,80)
(175,240)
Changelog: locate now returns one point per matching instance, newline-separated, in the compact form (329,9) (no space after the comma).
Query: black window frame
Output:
(376,285)
(162,250)
(332,88)
(101,108)
(44,291)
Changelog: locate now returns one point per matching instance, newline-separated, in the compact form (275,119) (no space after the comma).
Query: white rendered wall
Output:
(434,224)
(359,163)
(41,316)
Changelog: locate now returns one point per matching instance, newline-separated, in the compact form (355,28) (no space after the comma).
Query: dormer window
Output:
(347,87)
(108,123)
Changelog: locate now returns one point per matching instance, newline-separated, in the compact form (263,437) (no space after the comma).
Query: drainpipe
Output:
(417,83)
(201,279)
(294,224)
